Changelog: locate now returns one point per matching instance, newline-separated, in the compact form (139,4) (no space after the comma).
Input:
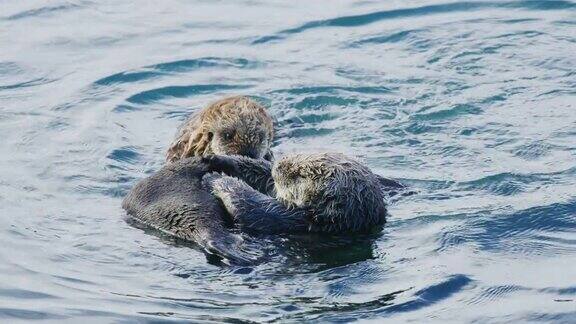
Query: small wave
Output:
(25,84)
(334,90)
(24,294)
(390,38)
(162,316)
(181,66)
(365,19)
(24,77)
(307,120)
(324,101)
(338,311)
(149,96)
(563,317)
(521,232)
(432,294)
(125,155)
(534,150)
(307,132)
(493,293)
(25,314)
(42,11)
(454,111)
(128,77)
(504,184)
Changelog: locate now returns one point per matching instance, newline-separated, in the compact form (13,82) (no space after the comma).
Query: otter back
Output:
(173,201)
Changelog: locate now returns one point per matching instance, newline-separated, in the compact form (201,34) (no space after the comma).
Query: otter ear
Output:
(199,144)
(269,156)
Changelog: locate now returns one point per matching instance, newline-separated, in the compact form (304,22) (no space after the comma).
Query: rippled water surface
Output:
(472,103)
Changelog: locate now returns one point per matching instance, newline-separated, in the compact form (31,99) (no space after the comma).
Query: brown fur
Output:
(230,126)
(343,194)
(317,192)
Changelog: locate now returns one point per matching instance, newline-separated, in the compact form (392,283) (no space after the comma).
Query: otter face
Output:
(245,136)
(343,194)
(299,179)
(230,126)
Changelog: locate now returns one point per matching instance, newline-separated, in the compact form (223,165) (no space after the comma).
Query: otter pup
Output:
(327,193)
(174,201)
(230,126)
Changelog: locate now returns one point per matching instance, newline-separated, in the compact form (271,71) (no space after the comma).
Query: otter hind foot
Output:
(233,250)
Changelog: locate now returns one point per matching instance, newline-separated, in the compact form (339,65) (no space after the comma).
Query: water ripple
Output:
(44,11)
(520,232)
(149,96)
(181,66)
(470,103)
(433,294)
(365,19)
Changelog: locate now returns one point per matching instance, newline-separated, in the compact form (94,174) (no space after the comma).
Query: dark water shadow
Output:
(315,252)
(171,240)
(328,251)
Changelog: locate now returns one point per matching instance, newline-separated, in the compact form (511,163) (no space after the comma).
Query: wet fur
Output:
(231,126)
(326,193)
(174,201)
(342,194)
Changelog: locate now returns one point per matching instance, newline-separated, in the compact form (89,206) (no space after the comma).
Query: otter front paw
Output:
(218,183)
(221,163)
(223,185)
(228,190)
(209,179)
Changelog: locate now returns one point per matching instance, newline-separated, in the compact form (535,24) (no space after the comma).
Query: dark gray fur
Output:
(252,204)
(256,173)
(174,201)
(254,211)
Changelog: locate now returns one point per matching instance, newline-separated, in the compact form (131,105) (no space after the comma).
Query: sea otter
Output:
(230,126)
(174,201)
(323,192)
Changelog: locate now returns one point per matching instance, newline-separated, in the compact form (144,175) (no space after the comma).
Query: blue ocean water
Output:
(472,103)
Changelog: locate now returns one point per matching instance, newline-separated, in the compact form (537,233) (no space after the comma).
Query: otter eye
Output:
(228,135)
(210,135)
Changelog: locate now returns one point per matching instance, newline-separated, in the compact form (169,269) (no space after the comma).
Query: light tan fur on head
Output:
(230,126)
(342,194)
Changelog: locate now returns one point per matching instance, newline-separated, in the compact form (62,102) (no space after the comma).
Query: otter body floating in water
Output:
(230,126)
(327,193)
(174,201)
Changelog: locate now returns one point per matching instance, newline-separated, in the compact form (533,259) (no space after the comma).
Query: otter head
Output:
(233,126)
(241,130)
(341,194)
